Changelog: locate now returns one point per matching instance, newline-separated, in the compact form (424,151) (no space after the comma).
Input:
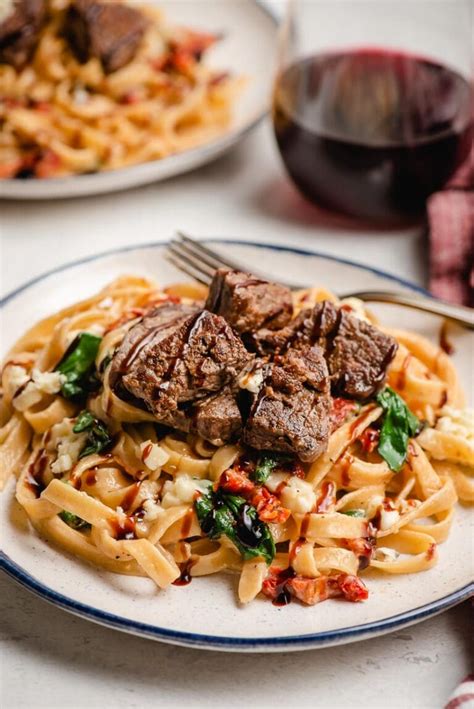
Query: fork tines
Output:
(194,259)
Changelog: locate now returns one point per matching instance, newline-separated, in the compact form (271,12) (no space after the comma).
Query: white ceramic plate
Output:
(205,614)
(248,49)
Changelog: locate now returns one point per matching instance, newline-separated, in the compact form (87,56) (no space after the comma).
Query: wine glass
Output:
(373,101)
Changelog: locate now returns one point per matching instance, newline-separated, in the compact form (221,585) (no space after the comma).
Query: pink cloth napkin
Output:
(451,225)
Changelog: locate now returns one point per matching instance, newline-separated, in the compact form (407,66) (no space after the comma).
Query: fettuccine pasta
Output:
(61,117)
(131,506)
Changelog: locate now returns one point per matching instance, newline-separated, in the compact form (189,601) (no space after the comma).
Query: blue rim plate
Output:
(207,641)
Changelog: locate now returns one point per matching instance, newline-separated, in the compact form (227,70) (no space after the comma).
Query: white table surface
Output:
(52,659)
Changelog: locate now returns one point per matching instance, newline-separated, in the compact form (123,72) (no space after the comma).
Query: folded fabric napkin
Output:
(451,226)
(463,695)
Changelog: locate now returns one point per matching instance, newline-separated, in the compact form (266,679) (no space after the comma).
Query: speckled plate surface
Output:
(247,48)
(205,614)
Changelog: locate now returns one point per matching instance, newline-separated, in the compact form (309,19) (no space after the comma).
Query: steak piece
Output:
(291,410)
(109,31)
(176,356)
(217,418)
(19,31)
(297,333)
(357,353)
(157,323)
(248,303)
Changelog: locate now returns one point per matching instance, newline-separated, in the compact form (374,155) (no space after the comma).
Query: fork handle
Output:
(458,313)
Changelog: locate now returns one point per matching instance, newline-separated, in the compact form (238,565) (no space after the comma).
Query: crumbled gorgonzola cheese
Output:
(252,381)
(48,382)
(152,510)
(17,377)
(388,518)
(459,422)
(40,383)
(153,455)
(182,489)
(452,437)
(298,496)
(67,444)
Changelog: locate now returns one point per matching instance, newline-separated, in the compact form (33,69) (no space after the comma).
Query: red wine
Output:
(371,132)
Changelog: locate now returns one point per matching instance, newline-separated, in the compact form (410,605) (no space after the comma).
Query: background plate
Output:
(205,614)
(248,49)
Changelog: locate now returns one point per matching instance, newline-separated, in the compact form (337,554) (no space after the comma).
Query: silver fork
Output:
(199,262)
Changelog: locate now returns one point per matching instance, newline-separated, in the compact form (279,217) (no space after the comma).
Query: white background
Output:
(51,659)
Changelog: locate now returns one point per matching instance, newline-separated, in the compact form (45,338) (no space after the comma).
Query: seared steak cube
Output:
(291,410)
(248,303)
(157,324)
(297,333)
(357,353)
(172,358)
(19,31)
(110,31)
(217,418)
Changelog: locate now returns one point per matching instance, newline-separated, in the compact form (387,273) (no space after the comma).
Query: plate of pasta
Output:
(98,96)
(239,467)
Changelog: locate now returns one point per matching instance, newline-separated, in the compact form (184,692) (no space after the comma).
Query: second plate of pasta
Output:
(144,511)
(76,122)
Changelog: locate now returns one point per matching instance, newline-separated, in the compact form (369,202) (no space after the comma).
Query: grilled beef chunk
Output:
(107,30)
(297,333)
(291,410)
(217,418)
(176,356)
(248,303)
(19,32)
(156,325)
(356,352)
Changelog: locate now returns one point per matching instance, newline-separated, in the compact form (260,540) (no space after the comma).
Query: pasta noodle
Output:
(130,508)
(59,117)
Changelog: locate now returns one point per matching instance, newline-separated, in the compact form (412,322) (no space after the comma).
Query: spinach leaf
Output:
(354,513)
(220,513)
(98,436)
(266,464)
(73,520)
(398,426)
(78,365)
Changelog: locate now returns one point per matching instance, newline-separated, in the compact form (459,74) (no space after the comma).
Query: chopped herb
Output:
(354,513)
(98,436)
(220,513)
(398,426)
(78,366)
(73,520)
(266,464)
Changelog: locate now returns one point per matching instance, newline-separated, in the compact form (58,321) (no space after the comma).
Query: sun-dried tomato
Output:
(236,482)
(47,164)
(362,547)
(352,587)
(369,439)
(276,584)
(312,591)
(269,507)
